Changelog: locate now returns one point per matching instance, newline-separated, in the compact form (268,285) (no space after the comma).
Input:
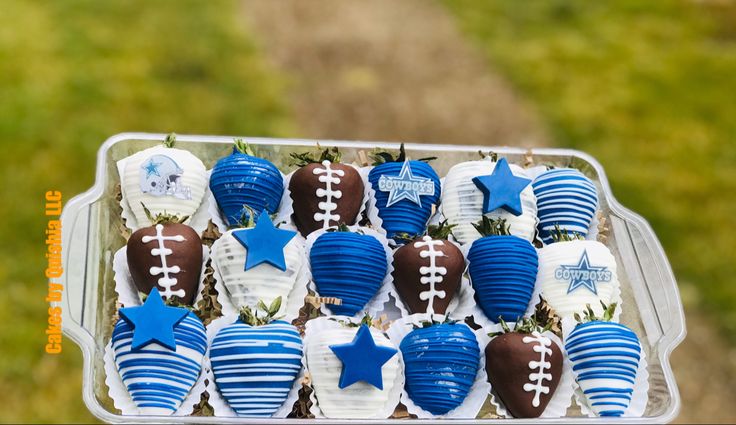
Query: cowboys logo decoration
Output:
(161,176)
(405,186)
(583,275)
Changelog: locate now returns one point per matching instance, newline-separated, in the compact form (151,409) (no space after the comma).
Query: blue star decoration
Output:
(501,189)
(152,168)
(583,275)
(362,359)
(265,243)
(405,186)
(153,322)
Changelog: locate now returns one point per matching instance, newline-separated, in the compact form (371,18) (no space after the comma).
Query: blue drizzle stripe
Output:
(255,367)
(404,216)
(349,266)
(503,271)
(155,376)
(440,363)
(605,358)
(567,198)
(241,179)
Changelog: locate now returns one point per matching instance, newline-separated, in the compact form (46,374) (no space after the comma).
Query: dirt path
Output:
(400,70)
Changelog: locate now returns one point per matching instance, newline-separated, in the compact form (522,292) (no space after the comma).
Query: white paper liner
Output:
(124,402)
(478,393)
(320,324)
(198,221)
(294,301)
(375,304)
(462,304)
(639,398)
(561,399)
(125,287)
(286,209)
(219,404)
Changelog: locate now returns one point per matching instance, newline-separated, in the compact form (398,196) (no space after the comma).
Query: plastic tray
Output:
(92,233)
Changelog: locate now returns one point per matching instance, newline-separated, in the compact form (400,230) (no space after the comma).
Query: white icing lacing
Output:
(166,281)
(328,176)
(537,378)
(431,275)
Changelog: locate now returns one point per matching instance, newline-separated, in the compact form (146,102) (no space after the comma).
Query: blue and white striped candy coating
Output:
(349,266)
(255,366)
(240,179)
(567,198)
(605,358)
(158,379)
(405,216)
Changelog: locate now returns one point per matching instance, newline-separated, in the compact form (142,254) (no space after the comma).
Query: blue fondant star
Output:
(362,359)
(405,186)
(584,275)
(153,322)
(501,189)
(151,168)
(265,243)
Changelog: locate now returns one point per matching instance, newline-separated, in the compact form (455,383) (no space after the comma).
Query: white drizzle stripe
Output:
(538,368)
(166,281)
(328,176)
(432,275)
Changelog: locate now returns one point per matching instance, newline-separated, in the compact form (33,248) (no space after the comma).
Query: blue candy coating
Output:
(152,362)
(240,179)
(503,271)
(349,266)
(255,367)
(567,198)
(440,364)
(404,216)
(608,353)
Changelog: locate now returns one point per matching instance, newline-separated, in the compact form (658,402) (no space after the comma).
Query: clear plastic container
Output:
(92,232)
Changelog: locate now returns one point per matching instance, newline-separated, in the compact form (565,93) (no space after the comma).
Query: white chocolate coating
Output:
(462,202)
(262,282)
(555,290)
(540,370)
(433,274)
(160,250)
(194,177)
(358,401)
(328,176)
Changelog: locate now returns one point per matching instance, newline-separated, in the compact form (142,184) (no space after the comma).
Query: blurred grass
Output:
(648,88)
(72,74)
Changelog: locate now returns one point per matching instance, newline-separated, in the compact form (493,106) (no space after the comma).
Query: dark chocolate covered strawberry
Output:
(524,367)
(168,256)
(428,271)
(324,192)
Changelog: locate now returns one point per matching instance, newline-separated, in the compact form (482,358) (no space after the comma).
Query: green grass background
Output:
(649,89)
(71,75)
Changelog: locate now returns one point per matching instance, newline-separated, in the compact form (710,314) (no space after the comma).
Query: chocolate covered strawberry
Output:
(524,367)
(428,271)
(324,192)
(167,256)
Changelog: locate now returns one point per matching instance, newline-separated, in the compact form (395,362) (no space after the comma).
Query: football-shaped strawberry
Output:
(565,198)
(503,271)
(574,273)
(325,192)
(243,179)
(427,274)
(441,362)
(350,266)
(353,370)
(165,179)
(406,192)
(158,351)
(167,256)
(524,367)
(605,361)
(256,361)
(488,188)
